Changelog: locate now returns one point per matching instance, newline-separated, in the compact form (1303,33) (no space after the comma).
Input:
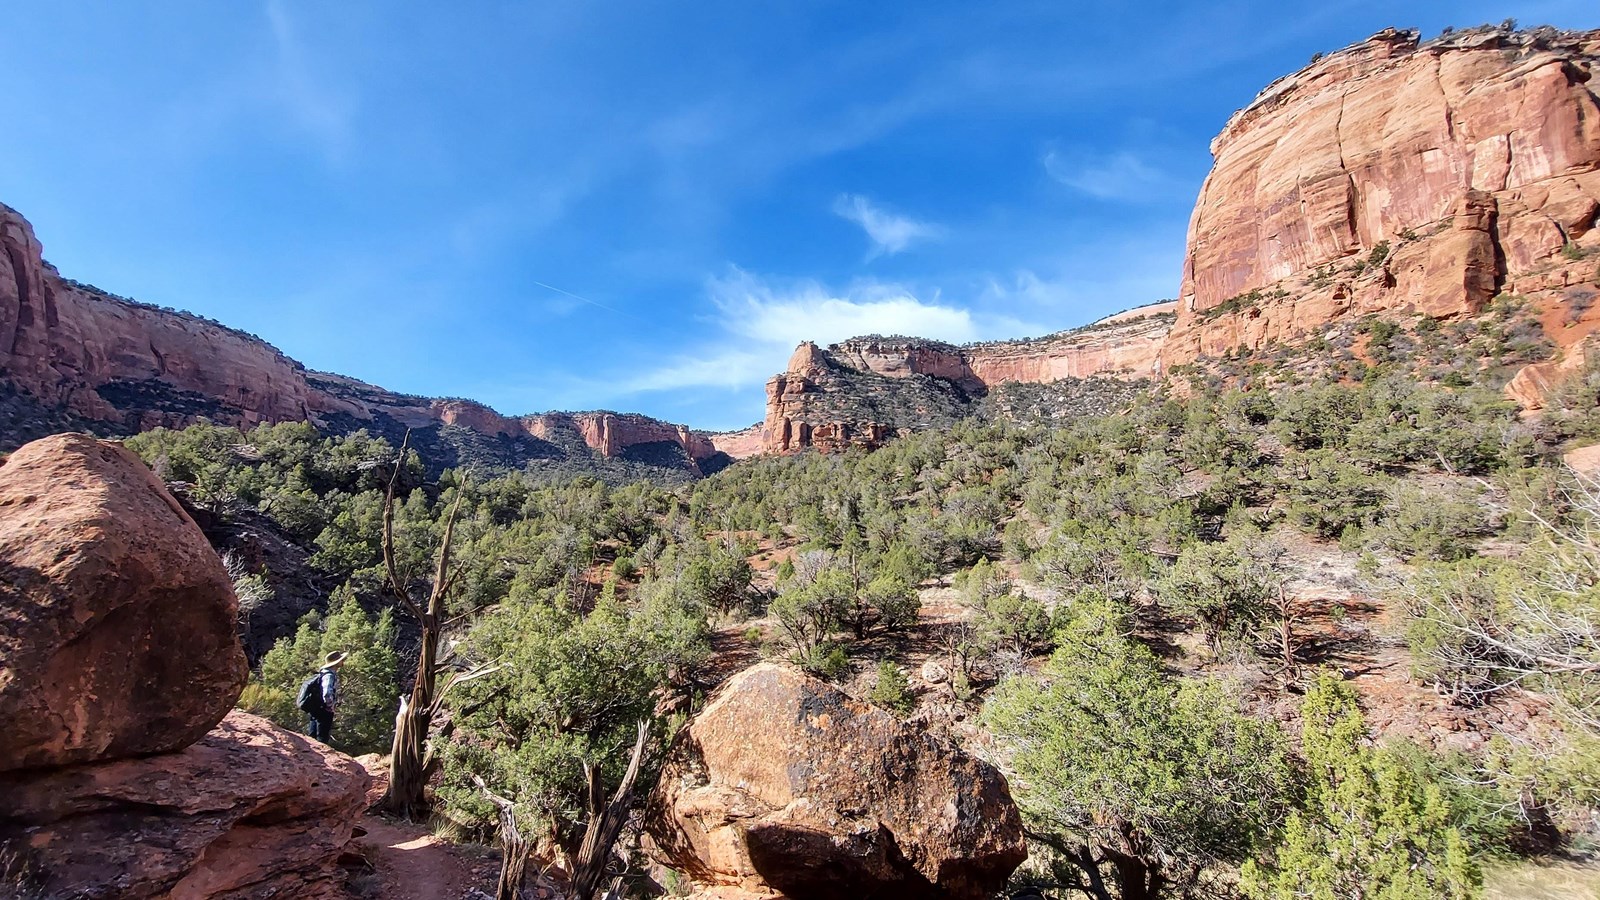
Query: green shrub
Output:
(891,689)
(1115,760)
(1372,824)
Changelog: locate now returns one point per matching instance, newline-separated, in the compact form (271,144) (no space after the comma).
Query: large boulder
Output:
(249,811)
(118,624)
(784,783)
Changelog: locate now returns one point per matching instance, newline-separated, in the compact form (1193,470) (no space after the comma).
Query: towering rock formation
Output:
(72,346)
(72,355)
(865,390)
(1393,176)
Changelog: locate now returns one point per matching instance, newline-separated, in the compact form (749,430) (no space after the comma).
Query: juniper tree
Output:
(1136,781)
(1369,825)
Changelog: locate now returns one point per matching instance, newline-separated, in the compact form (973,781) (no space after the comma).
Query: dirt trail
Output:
(413,864)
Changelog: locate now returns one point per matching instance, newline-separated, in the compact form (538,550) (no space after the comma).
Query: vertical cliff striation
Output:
(1394,176)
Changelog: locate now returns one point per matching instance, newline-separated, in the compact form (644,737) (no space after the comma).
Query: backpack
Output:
(310,698)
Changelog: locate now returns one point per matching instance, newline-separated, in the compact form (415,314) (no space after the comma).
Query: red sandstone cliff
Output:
(131,366)
(1393,177)
(1472,160)
(840,397)
(60,342)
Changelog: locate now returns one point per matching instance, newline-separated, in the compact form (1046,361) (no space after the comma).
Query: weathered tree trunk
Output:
(1135,879)
(408,754)
(1286,640)
(407,781)
(513,846)
(605,824)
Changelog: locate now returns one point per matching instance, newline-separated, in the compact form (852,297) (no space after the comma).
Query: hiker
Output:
(318,696)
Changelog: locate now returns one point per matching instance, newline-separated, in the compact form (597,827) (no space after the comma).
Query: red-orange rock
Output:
(70,346)
(248,811)
(784,783)
(803,408)
(118,625)
(740,444)
(1474,157)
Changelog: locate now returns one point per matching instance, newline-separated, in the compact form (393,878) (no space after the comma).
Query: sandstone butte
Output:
(1473,159)
(1393,177)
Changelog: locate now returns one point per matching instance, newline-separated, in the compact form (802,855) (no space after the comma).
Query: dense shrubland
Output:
(1146,765)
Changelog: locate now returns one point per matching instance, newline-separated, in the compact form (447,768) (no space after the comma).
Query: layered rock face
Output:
(123,772)
(1392,176)
(612,434)
(866,390)
(61,342)
(77,351)
(785,785)
(118,624)
(248,811)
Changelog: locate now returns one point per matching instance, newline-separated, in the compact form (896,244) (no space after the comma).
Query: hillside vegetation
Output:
(1218,639)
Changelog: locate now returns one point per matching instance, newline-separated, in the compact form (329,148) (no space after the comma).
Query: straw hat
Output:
(334,660)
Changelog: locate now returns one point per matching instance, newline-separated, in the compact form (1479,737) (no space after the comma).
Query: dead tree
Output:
(605,821)
(411,755)
(1288,643)
(513,845)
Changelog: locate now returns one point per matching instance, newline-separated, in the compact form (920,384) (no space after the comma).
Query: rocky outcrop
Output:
(63,342)
(741,444)
(82,354)
(614,434)
(248,811)
(123,772)
(1394,176)
(784,784)
(118,624)
(864,391)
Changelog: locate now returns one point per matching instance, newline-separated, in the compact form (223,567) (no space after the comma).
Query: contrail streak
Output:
(551,287)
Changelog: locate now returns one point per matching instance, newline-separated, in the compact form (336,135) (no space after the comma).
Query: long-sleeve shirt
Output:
(330,688)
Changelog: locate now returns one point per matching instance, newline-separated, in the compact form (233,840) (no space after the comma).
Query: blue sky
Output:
(638,206)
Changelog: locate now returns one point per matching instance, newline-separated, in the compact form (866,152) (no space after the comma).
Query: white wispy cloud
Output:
(1120,175)
(761,322)
(310,103)
(890,232)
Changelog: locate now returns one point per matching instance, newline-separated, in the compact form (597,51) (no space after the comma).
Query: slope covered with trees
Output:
(1139,604)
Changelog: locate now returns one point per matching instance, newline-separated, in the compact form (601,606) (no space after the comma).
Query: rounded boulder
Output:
(785,784)
(118,624)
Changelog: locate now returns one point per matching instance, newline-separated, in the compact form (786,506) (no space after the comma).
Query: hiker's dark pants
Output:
(321,727)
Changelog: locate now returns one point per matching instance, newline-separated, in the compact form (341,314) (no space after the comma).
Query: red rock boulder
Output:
(118,624)
(250,810)
(785,784)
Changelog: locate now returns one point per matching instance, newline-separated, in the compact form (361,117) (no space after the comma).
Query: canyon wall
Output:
(866,390)
(61,342)
(80,357)
(1394,176)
